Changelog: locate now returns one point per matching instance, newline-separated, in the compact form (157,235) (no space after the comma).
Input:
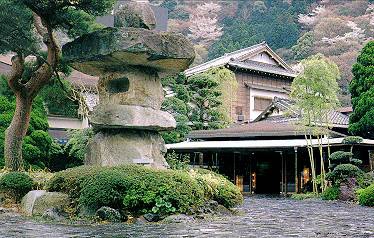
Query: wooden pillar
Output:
(296,172)
(234,168)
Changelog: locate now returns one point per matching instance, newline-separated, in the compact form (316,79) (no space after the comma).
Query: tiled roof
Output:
(262,67)
(237,56)
(266,128)
(266,125)
(336,118)
(345,110)
(77,78)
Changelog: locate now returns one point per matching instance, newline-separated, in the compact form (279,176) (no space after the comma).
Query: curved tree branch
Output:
(14,78)
(48,68)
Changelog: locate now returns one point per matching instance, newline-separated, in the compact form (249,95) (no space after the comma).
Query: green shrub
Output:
(340,157)
(302,196)
(77,144)
(16,184)
(365,180)
(331,193)
(137,189)
(176,162)
(105,188)
(366,196)
(70,181)
(164,192)
(344,171)
(217,187)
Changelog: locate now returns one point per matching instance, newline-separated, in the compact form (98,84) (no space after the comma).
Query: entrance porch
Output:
(265,166)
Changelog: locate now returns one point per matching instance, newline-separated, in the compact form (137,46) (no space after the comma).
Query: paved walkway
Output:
(261,217)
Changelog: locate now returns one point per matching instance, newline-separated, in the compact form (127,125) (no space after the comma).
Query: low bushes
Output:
(366,196)
(331,193)
(139,190)
(15,185)
(217,187)
(303,196)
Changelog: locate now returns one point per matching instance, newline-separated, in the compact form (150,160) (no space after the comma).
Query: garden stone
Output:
(132,117)
(50,200)
(347,190)
(28,201)
(112,148)
(130,60)
(85,211)
(53,214)
(150,217)
(2,198)
(222,210)
(179,218)
(135,15)
(108,214)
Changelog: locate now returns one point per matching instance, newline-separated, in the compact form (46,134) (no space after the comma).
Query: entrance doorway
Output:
(268,174)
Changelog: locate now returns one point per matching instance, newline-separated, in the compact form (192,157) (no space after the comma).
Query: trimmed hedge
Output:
(16,184)
(140,190)
(344,171)
(217,187)
(366,196)
(331,193)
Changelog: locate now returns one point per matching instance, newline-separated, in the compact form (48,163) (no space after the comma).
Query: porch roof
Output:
(257,144)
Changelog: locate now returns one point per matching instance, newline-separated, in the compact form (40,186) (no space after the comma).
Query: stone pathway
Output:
(261,217)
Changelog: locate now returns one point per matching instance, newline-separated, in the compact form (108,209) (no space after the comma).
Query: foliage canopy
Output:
(362,91)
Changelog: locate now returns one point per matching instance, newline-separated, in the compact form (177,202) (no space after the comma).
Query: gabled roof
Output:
(240,58)
(268,125)
(336,118)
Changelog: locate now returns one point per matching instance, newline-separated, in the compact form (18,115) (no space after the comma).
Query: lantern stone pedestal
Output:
(129,62)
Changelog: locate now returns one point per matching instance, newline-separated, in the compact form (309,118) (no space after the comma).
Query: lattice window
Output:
(262,103)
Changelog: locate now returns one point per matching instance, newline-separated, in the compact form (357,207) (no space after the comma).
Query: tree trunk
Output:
(15,133)
(26,92)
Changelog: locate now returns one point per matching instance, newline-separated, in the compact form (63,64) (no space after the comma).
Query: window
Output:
(262,103)
(239,110)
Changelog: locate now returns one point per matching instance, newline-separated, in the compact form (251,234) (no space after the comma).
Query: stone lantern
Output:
(129,59)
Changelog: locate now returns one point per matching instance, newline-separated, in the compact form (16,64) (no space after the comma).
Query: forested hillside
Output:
(296,29)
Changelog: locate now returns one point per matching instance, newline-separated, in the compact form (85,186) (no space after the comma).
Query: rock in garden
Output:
(347,190)
(53,214)
(138,15)
(130,60)
(179,218)
(222,210)
(108,214)
(50,200)
(152,217)
(28,201)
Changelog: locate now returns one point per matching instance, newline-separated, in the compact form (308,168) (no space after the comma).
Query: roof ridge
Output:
(263,43)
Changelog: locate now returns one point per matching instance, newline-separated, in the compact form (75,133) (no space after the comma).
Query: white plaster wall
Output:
(264,58)
(264,94)
(67,123)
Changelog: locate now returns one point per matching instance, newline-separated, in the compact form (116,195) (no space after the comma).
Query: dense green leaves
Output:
(58,101)
(138,190)
(15,185)
(362,91)
(38,144)
(366,196)
(201,101)
(315,89)
(272,21)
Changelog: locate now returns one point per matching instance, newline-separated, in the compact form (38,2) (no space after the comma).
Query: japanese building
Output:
(261,75)
(265,150)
